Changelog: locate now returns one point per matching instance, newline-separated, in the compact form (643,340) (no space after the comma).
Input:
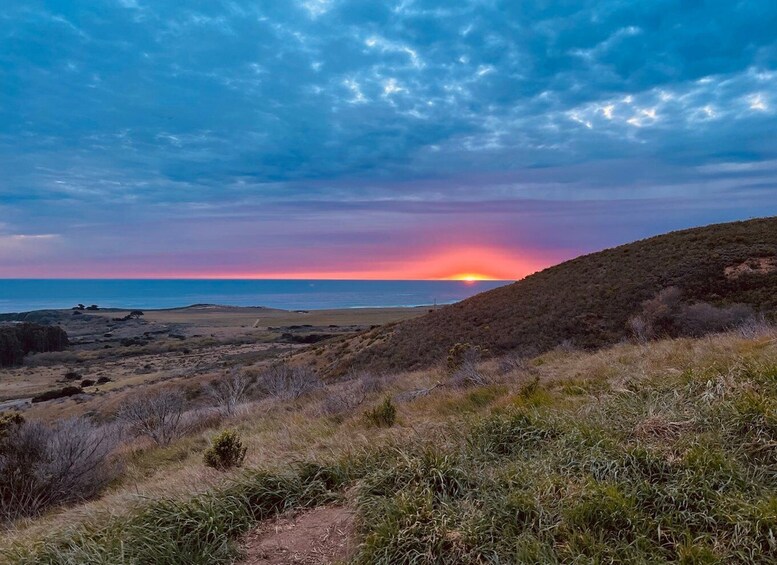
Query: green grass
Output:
(473,401)
(605,482)
(199,530)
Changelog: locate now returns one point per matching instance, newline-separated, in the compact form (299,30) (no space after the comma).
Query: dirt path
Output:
(319,536)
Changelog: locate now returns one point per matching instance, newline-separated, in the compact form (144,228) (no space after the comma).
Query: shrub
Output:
(58,393)
(382,416)
(756,327)
(226,451)
(657,316)
(287,382)
(369,382)
(158,416)
(460,354)
(8,423)
(353,393)
(513,362)
(666,315)
(338,403)
(468,374)
(42,466)
(702,318)
(230,391)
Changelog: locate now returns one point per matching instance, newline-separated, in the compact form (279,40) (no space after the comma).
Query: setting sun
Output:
(470,277)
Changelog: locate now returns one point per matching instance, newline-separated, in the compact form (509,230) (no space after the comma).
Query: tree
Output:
(18,340)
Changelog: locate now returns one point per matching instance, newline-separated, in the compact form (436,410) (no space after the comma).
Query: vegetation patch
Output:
(384,415)
(589,301)
(674,467)
(17,340)
(226,451)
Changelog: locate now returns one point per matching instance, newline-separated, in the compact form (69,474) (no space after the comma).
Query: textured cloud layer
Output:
(373,138)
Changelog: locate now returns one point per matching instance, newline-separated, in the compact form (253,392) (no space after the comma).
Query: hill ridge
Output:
(587,300)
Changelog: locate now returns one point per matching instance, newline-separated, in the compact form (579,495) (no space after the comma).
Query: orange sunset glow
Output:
(468,264)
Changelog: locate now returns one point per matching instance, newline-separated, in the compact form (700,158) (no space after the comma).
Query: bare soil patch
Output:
(319,536)
(753,266)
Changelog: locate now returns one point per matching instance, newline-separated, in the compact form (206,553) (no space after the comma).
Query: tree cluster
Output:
(18,340)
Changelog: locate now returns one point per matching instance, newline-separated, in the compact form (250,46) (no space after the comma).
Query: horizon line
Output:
(243,278)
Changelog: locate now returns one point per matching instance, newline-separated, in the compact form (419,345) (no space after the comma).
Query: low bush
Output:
(383,415)
(58,393)
(352,393)
(43,466)
(461,354)
(468,374)
(666,315)
(158,416)
(230,391)
(287,382)
(226,451)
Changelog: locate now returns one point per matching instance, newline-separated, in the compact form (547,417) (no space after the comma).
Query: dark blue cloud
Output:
(373,120)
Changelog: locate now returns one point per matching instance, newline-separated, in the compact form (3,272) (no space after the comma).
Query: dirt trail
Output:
(320,536)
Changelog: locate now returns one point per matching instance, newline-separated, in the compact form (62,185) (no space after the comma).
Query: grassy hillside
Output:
(658,453)
(586,301)
(637,452)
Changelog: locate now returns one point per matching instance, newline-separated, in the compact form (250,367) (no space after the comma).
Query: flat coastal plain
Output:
(112,355)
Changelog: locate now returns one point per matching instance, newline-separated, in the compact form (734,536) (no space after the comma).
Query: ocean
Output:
(22,295)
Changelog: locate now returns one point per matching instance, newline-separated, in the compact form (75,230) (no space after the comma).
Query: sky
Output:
(374,139)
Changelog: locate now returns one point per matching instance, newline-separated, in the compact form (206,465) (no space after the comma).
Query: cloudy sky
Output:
(374,139)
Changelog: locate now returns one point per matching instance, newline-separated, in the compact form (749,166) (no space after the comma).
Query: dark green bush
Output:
(58,393)
(226,451)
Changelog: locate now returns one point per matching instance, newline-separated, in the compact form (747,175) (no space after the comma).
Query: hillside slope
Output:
(587,300)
